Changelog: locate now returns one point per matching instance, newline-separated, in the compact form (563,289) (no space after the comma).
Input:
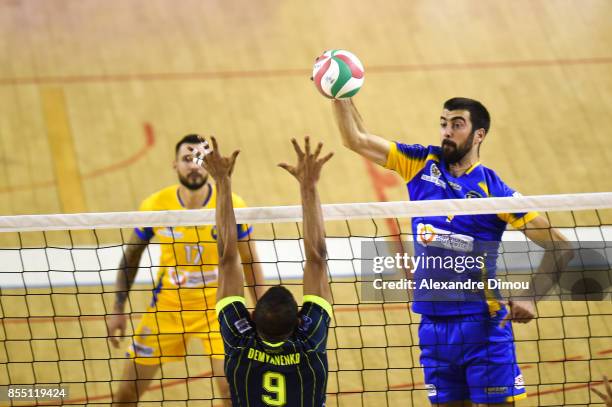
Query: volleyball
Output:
(338,74)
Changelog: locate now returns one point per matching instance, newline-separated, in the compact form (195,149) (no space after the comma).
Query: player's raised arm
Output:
(355,136)
(307,172)
(231,275)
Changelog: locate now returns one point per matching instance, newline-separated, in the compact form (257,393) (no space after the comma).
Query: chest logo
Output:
(434,177)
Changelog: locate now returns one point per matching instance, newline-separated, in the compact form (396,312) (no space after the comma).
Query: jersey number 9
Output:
(274,383)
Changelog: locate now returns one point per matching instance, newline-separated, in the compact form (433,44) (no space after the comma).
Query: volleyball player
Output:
(277,356)
(183,302)
(467,348)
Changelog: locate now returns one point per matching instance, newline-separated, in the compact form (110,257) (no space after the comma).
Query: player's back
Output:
(289,373)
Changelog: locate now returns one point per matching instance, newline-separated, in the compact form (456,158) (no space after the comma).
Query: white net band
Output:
(280,214)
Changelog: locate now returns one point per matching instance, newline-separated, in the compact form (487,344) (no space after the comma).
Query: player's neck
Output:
(459,168)
(194,199)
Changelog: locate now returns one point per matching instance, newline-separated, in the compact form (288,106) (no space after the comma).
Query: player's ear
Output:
(480,135)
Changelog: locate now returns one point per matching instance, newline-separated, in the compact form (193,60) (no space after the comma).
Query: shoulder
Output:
(496,186)
(159,200)
(416,150)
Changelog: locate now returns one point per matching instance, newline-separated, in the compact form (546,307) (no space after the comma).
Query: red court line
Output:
(275,73)
(149,143)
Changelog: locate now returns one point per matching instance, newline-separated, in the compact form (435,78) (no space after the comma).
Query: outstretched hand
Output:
(308,168)
(211,159)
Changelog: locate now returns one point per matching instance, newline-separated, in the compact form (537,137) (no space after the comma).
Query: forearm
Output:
(231,277)
(128,269)
(227,239)
(348,122)
(314,230)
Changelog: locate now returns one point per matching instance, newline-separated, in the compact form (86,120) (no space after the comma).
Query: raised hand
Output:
(308,168)
(211,159)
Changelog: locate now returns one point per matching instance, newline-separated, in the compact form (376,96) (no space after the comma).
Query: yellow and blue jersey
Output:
(427,178)
(187,274)
(292,373)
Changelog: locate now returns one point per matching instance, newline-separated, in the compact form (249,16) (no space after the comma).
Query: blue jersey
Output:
(292,373)
(473,237)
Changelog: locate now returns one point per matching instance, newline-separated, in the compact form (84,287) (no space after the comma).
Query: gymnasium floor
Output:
(94,95)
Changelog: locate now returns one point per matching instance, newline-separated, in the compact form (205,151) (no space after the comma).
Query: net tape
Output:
(280,214)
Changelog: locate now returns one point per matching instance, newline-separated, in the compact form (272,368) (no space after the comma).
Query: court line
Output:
(61,144)
(149,135)
(275,73)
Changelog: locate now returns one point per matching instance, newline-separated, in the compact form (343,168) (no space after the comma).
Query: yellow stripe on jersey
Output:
(321,302)
(225,301)
(404,165)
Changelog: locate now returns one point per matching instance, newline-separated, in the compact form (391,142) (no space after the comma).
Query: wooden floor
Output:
(373,350)
(94,95)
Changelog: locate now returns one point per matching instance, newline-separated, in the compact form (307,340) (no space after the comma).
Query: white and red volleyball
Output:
(338,74)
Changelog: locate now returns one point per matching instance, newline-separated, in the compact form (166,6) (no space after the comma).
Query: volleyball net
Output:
(57,290)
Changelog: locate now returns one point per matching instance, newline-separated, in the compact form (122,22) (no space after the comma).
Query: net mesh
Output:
(58,274)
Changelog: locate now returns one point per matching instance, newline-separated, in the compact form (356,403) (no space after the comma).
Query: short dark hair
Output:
(276,314)
(188,139)
(478,113)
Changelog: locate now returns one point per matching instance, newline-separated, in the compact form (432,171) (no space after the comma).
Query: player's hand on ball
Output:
(211,159)
(308,168)
(519,311)
(114,323)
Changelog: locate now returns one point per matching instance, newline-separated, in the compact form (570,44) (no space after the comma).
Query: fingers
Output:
(215,145)
(289,168)
(307,145)
(318,150)
(297,148)
(600,394)
(326,158)
(506,319)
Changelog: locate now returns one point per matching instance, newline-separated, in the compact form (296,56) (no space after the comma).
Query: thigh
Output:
(158,338)
(492,371)
(441,360)
(204,326)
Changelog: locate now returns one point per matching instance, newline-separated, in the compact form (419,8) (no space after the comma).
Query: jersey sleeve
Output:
(406,159)
(517,220)
(315,318)
(146,233)
(234,320)
(244,230)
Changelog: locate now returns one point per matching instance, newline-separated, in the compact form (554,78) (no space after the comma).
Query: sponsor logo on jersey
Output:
(305,323)
(184,278)
(242,325)
(170,232)
(431,390)
(519,382)
(141,350)
(496,390)
(429,235)
(455,186)
(473,194)
(434,177)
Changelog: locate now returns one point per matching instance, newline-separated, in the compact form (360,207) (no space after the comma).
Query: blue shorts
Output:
(469,357)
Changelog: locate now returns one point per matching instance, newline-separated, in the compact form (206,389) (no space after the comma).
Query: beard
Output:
(452,154)
(193,181)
